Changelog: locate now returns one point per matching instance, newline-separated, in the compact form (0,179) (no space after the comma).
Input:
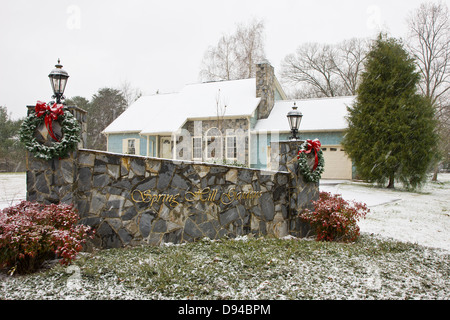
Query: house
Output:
(229,121)
(323,118)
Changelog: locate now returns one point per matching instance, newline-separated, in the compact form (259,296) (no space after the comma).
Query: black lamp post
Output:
(58,80)
(294,117)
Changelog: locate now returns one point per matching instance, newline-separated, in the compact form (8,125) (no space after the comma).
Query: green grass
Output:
(249,268)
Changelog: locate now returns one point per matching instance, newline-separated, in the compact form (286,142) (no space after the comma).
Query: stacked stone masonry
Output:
(133,200)
(265,89)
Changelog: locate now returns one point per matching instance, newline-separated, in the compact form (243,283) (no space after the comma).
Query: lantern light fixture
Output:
(58,80)
(294,117)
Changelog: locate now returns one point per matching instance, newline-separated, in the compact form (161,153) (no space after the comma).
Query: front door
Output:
(165,148)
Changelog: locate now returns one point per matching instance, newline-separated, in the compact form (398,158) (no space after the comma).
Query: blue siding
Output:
(254,119)
(115,142)
(152,146)
(277,95)
(260,143)
(326,138)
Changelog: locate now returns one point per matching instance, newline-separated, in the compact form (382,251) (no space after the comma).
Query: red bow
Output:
(312,145)
(51,113)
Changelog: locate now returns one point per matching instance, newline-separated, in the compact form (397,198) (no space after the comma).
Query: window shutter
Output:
(125,146)
(137,144)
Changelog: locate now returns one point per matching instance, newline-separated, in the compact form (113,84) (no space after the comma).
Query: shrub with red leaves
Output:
(335,219)
(31,233)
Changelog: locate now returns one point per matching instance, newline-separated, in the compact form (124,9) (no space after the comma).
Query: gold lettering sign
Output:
(204,195)
(147,197)
(232,195)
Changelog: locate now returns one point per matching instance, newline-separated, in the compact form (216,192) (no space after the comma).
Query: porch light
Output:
(58,80)
(294,117)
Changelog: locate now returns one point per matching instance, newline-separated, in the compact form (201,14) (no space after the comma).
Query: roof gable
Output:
(322,114)
(143,111)
(166,113)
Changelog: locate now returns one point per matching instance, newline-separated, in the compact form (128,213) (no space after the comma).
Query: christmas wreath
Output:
(46,114)
(311,146)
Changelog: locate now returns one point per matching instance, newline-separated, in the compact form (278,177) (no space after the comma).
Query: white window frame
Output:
(126,148)
(195,148)
(234,148)
(151,145)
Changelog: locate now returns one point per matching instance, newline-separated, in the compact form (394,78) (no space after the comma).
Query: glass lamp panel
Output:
(62,84)
(296,121)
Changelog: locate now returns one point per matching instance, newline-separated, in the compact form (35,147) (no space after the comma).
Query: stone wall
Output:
(265,89)
(80,115)
(53,181)
(133,200)
(284,158)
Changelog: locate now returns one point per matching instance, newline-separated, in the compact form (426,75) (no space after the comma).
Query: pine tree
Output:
(12,153)
(391,133)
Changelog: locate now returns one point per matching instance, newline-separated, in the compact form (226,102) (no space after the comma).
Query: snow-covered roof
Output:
(322,114)
(140,113)
(166,113)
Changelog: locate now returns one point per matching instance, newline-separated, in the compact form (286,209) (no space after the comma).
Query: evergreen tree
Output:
(79,102)
(391,133)
(12,153)
(106,105)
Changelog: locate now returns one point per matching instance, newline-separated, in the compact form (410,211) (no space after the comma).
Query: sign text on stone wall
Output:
(204,195)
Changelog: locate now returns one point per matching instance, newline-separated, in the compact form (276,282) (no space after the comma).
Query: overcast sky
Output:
(159,45)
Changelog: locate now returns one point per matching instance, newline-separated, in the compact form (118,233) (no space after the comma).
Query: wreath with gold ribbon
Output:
(46,114)
(308,147)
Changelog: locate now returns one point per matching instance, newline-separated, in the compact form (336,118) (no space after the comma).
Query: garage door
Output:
(337,164)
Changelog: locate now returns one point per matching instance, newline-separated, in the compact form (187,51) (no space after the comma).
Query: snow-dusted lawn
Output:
(290,268)
(245,268)
(421,217)
(13,189)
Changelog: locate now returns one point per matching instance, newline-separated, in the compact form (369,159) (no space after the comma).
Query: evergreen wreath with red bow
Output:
(308,147)
(46,114)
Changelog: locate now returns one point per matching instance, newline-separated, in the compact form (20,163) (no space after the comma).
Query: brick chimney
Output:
(265,88)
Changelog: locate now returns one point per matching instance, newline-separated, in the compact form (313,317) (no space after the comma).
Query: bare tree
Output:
(129,93)
(429,43)
(234,55)
(444,129)
(250,47)
(220,62)
(311,66)
(322,70)
(348,62)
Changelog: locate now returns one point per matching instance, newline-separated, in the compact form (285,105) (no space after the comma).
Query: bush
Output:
(31,233)
(334,219)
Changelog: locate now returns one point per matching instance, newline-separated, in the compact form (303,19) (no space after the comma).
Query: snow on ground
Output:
(13,189)
(421,217)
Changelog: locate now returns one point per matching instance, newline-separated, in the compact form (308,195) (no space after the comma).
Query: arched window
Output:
(214,144)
